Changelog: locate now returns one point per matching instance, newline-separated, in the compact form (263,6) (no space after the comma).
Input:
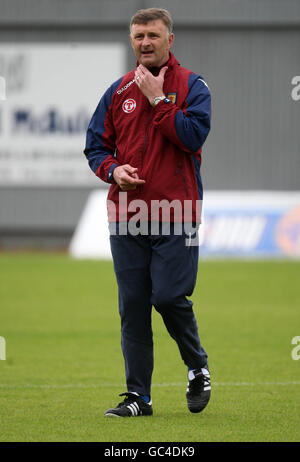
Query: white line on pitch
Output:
(113,385)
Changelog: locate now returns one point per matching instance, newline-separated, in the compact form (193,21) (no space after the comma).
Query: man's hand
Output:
(126,177)
(149,85)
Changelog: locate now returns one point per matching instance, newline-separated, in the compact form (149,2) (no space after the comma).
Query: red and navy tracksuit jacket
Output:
(164,142)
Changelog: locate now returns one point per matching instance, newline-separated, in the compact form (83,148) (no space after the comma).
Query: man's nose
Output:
(146,41)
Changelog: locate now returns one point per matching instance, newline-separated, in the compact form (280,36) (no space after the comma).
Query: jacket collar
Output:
(171,63)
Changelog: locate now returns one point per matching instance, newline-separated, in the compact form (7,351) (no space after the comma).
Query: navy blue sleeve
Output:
(193,125)
(100,139)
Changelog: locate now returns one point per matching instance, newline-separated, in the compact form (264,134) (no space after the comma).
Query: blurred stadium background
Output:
(57,58)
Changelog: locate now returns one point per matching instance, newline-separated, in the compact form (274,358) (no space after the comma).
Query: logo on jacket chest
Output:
(172,96)
(129,105)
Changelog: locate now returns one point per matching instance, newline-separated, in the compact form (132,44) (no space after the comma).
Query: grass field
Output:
(64,365)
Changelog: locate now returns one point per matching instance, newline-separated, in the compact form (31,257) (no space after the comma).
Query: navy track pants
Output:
(157,271)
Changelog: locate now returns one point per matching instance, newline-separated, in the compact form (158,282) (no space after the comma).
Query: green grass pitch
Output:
(64,365)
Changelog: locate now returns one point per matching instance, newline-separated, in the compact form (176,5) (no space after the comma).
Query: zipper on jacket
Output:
(145,141)
(180,170)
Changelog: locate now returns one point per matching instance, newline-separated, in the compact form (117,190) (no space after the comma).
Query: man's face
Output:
(151,43)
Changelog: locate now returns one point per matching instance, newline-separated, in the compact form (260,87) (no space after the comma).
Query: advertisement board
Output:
(251,224)
(49,93)
(238,224)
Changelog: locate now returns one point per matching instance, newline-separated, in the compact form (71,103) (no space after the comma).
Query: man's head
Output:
(151,36)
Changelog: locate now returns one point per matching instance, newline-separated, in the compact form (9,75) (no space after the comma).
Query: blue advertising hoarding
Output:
(251,224)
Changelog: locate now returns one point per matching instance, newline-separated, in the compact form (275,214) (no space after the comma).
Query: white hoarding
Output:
(51,92)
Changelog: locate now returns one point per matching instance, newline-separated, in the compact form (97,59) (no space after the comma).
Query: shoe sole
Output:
(111,414)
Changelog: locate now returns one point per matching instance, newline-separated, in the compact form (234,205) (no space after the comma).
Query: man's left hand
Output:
(150,85)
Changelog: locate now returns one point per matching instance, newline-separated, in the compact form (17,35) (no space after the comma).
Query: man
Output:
(145,138)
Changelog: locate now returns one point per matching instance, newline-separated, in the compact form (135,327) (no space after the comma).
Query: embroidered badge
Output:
(172,97)
(129,105)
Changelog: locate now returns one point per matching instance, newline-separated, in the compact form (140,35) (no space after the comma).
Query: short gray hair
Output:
(152,14)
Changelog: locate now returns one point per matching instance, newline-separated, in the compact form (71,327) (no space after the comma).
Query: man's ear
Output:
(171,40)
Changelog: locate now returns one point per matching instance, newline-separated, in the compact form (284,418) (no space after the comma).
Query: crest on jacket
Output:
(172,97)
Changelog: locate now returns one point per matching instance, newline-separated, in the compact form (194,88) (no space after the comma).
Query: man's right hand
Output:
(126,177)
